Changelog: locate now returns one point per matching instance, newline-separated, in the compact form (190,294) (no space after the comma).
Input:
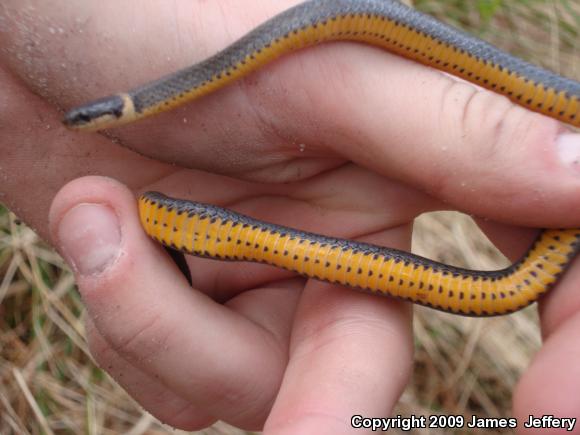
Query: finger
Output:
(550,385)
(146,389)
(141,305)
(470,148)
(350,354)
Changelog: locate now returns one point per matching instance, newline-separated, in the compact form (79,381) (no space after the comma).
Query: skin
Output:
(249,344)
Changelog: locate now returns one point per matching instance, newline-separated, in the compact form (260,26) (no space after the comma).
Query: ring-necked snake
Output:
(209,231)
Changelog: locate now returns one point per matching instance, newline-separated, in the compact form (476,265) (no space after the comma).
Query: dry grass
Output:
(49,384)
(465,366)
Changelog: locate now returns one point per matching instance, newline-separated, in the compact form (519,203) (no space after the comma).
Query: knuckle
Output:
(494,149)
(487,129)
(141,336)
(145,337)
(491,124)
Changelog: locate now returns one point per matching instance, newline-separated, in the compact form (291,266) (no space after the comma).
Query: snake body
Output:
(209,231)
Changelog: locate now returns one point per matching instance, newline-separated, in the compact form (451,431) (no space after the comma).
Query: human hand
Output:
(316,352)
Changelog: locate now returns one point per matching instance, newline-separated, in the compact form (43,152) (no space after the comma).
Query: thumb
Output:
(148,318)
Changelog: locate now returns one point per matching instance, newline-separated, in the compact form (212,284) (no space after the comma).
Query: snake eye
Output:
(77,118)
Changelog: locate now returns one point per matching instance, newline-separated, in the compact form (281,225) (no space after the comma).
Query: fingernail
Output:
(568,146)
(90,237)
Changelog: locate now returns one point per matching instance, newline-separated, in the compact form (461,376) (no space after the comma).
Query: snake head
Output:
(100,114)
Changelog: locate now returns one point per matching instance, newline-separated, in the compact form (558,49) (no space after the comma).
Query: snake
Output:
(210,231)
